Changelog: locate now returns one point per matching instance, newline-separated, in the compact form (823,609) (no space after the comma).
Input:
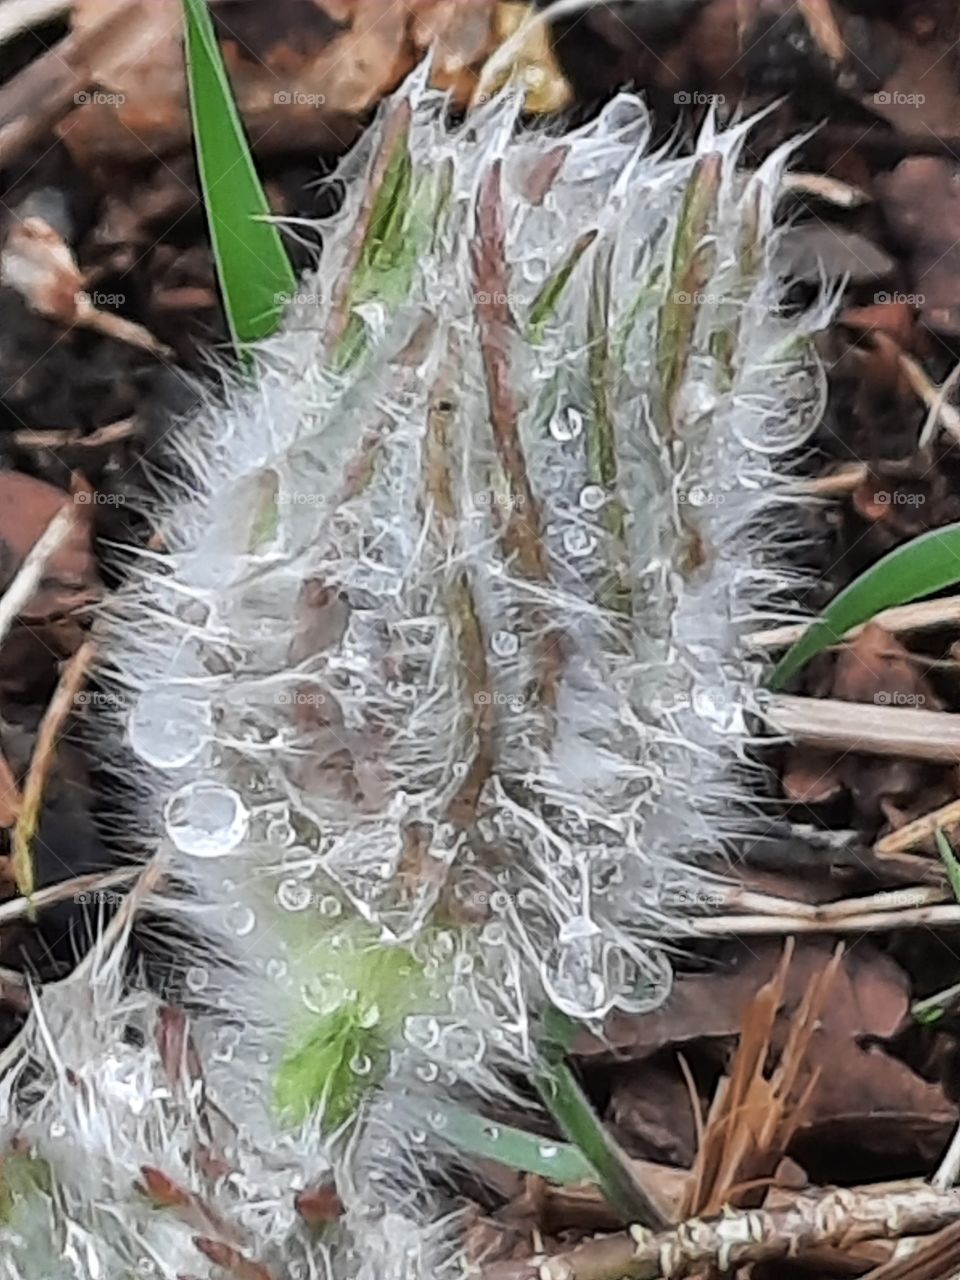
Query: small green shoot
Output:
(918,568)
(334,1059)
(253,268)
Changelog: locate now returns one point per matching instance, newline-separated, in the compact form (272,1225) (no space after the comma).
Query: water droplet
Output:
(504,643)
(241,920)
(418,1137)
(330,906)
(462,1046)
(276,968)
(697,496)
(206,820)
(592,497)
(292,895)
(197,977)
(573,972)
(226,1046)
(324,995)
(428,1072)
(169,726)
(369,1017)
(361,1064)
(578,541)
(57,1130)
(280,833)
(548,1150)
(421,1031)
(444,944)
(566,424)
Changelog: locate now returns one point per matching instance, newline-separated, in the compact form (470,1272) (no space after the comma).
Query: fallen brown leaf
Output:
(921,202)
(864,1096)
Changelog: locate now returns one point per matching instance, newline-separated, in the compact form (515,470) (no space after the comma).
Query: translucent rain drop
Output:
(592,497)
(169,727)
(566,424)
(504,643)
(206,820)
(578,542)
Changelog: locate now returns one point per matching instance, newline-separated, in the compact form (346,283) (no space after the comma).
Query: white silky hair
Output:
(295,682)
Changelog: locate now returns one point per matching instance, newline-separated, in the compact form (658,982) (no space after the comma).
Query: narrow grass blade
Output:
(545,303)
(932,1008)
(945,849)
(919,568)
(571,1108)
(522,1151)
(252,265)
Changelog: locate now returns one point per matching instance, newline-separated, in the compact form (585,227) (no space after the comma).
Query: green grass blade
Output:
(525,1152)
(919,568)
(949,861)
(932,1008)
(252,265)
(570,1107)
(545,303)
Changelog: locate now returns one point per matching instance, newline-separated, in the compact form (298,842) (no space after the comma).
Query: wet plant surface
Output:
(775,1068)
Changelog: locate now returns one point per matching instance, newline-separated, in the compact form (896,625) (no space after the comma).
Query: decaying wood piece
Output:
(906,617)
(873,729)
(838,1216)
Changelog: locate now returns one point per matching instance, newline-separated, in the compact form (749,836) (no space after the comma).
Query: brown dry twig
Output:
(924,616)
(54,718)
(910,732)
(112,433)
(30,573)
(922,829)
(809,1222)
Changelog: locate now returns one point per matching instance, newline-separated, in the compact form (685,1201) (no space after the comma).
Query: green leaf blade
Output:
(253,268)
(513,1147)
(919,568)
